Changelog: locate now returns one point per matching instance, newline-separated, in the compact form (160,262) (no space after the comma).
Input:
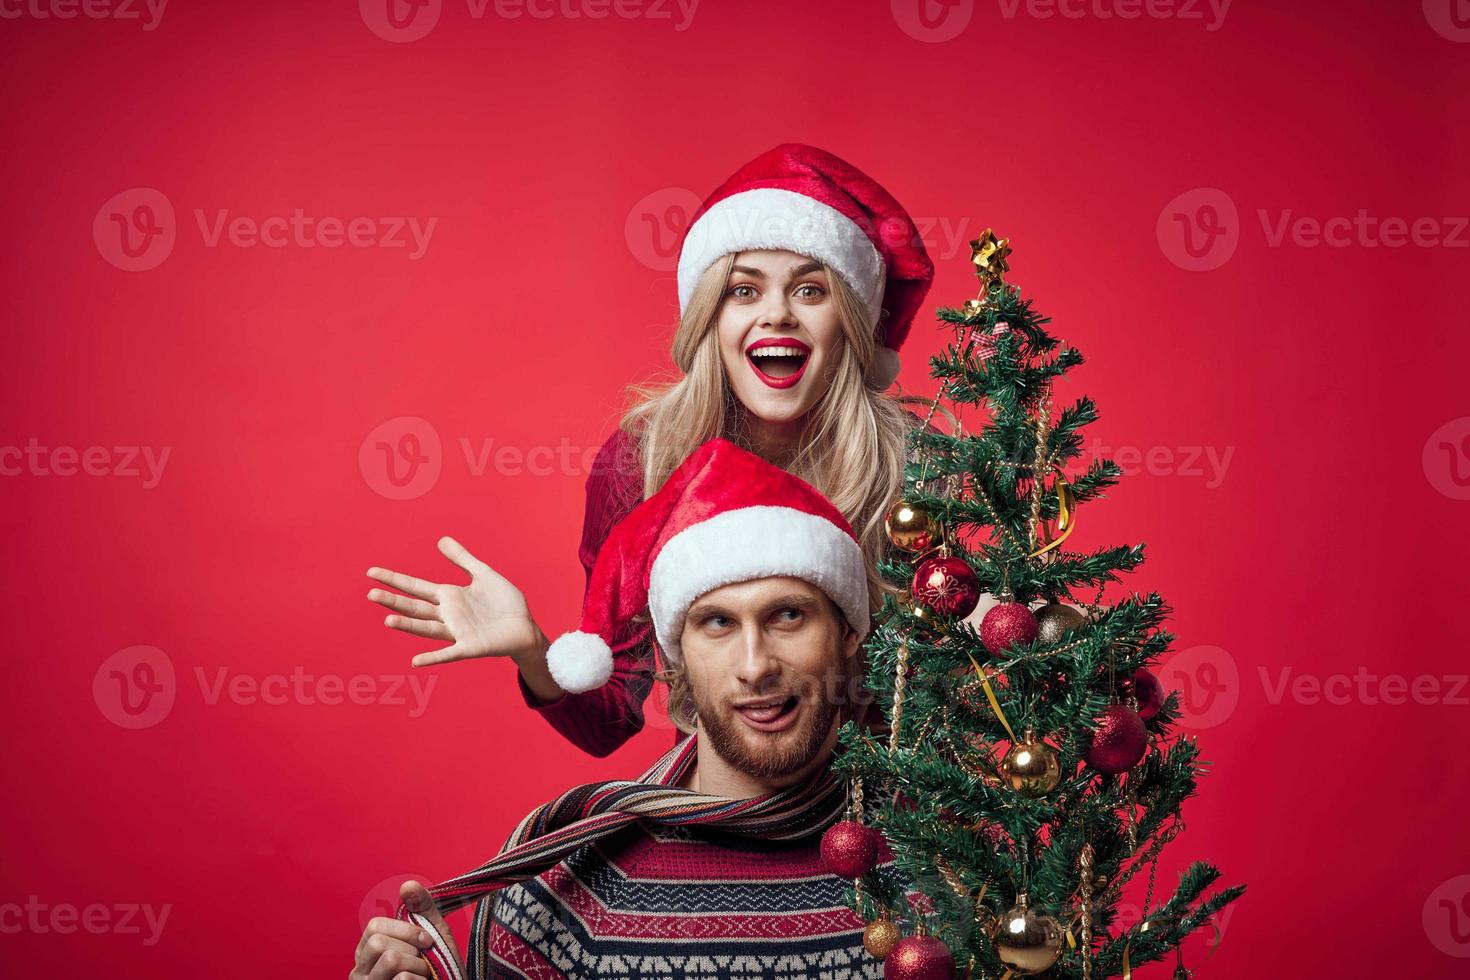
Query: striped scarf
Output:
(594,810)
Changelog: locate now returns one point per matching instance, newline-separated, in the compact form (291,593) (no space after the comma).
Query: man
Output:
(709,864)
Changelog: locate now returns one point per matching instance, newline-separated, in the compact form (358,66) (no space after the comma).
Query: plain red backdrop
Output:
(557,158)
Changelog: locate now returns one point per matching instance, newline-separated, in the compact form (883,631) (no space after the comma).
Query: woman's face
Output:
(778,333)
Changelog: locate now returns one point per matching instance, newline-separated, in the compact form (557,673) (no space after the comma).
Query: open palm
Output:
(487,618)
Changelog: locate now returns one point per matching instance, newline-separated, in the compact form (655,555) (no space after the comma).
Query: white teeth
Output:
(777,352)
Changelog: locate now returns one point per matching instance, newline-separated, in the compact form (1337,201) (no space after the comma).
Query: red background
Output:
(1331,544)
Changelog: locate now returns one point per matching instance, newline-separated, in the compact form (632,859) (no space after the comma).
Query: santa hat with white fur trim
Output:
(724,516)
(808,201)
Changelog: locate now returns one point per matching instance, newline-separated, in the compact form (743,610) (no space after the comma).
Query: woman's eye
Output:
(810,290)
(742,292)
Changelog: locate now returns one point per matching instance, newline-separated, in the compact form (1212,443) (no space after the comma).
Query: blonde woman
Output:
(798,280)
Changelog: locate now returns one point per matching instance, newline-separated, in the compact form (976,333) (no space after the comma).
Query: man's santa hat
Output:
(724,516)
(808,201)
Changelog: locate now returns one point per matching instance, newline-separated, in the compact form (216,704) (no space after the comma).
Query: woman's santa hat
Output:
(724,516)
(805,200)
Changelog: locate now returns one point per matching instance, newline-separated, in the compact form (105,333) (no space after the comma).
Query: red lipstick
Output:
(796,351)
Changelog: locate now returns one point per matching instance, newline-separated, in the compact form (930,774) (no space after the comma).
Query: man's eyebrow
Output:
(704,609)
(801,270)
(795,599)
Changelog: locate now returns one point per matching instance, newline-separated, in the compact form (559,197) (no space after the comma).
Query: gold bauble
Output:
(880,937)
(1029,940)
(1055,620)
(912,528)
(1031,767)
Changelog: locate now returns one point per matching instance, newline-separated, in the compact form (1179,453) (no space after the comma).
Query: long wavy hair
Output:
(851,447)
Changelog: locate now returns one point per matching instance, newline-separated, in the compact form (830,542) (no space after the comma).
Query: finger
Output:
(417,898)
(404,583)
(443,655)
(401,958)
(416,608)
(461,556)
(384,957)
(430,629)
(395,929)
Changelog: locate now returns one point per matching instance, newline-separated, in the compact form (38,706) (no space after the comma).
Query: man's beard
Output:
(775,755)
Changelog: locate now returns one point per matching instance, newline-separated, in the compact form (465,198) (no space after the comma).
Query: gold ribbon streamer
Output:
(1066,514)
(1127,970)
(990,696)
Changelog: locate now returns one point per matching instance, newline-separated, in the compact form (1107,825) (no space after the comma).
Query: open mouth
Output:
(770,716)
(778,362)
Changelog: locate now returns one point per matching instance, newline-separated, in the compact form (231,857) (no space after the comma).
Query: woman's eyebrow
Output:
(801,270)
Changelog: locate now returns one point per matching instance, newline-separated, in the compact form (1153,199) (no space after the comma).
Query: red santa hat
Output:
(806,200)
(724,516)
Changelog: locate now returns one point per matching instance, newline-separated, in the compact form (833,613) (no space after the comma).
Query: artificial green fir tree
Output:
(1030,768)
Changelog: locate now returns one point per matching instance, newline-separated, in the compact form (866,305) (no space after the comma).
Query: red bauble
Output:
(849,849)
(1144,686)
(946,585)
(1119,741)
(919,958)
(1005,625)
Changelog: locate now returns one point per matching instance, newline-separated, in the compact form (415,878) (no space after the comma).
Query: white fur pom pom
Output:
(579,661)
(883,370)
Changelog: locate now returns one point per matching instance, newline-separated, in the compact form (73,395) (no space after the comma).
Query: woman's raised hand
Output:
(486,618)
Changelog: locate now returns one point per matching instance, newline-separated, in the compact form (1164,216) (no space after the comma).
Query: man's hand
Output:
(487,618)
(390,949)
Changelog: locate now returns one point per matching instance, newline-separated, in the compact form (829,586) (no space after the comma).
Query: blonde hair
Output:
(851,447)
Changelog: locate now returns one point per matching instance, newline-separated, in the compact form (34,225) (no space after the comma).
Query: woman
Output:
(798,280)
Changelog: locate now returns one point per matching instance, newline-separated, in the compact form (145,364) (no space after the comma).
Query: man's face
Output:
(765,660)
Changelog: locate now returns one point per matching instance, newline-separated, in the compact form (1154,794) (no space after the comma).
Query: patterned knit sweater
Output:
(654,902)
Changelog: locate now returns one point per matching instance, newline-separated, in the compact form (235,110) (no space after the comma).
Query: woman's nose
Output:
(777,311)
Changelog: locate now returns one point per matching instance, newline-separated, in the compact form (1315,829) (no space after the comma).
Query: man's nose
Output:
(757,665)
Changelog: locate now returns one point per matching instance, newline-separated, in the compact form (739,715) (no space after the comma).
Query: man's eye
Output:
(717,622)
(790,615)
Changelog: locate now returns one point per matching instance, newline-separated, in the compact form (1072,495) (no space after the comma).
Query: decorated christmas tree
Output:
(1030,768)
